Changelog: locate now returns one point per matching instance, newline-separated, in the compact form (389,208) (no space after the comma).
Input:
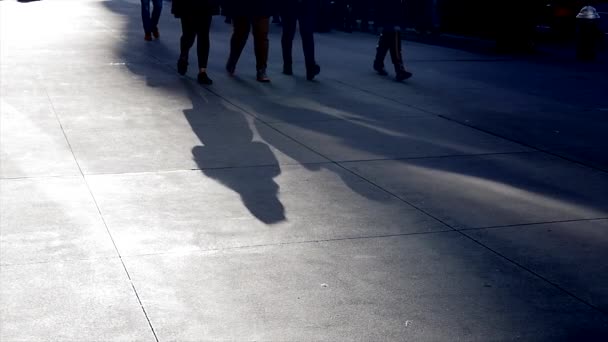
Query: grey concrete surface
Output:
(551,248)
(495,190)
(89,300)
(50,219)
(394,289)
(466,204)
(33,143)
(223,208)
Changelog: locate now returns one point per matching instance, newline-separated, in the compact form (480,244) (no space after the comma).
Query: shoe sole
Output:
(399,79)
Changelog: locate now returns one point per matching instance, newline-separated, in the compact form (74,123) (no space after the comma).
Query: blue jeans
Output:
(151,22)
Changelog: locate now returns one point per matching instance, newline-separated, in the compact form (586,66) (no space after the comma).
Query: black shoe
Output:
(312,71)
(203,79)
(380,69)
(287,69)
(262,77)
(182,66)
(231,68)
(403,75)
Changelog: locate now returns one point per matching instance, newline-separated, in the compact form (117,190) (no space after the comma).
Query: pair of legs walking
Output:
(390,41)
(150,20)
(242,26)
(195,27)
(307,28)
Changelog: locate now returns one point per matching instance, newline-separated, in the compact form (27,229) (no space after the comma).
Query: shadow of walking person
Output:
(228,152)
(227,149)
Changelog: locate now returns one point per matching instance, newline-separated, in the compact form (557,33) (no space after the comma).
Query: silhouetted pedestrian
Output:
(248,16)
(150,20)
(388,15)
(302,12)
(196,17)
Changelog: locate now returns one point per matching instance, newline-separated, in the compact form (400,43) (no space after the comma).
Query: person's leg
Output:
(145,17)
(289,31)
(397,57)
(158,6)
(384,41)
(203,42)
(307,29)
(261,26)
(241,28)
(186,41)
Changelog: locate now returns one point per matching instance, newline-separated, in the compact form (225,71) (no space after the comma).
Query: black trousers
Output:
(242,26)
(307,29)
(390,40)
(196,27)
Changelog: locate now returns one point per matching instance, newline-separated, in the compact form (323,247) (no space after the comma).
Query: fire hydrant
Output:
(588,33)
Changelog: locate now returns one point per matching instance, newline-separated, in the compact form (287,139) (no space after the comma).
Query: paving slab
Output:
(20,82)
(193,210)
(147,107)
(32,140)
(159,146)
(394,137)
(499,190)
(435,287)
(50,219)
(570,254)
(232,228)
(70,301)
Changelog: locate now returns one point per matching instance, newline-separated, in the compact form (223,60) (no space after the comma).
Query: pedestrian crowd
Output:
(254,17)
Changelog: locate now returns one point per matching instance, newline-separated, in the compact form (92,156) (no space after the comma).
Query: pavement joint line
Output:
(293,243)
(479,243)
(205,250)
(463,233)
(68,260)
(445,156)
(100,213)
(573,161)
(284,164)
(477,128)
(388,116)
(531,224)
(538,275)
(38,177)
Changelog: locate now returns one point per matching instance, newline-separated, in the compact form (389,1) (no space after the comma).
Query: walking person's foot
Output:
(230,68)
(312,71)
(155,33)
(182,66)
(204,79)
(379,68)
(148,37)
(403,75)
(262,77)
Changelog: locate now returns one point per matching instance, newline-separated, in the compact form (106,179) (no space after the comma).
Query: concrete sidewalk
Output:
(468,204)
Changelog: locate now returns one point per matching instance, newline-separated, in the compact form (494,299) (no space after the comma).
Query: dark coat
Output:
(179,8)
(250,8)
(389,13)
(291,7)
